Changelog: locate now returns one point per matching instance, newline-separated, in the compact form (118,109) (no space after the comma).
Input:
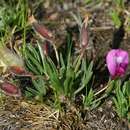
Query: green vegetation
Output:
(67,74)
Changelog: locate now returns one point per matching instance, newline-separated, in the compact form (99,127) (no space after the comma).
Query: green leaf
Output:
(110,87)
(41,54)
(31,67)
(89,98)
(37,90)
(115,18)
(126,86)
(88,1)
(69,81)
(121,103)
(120,3)
(33,60)
(86,76)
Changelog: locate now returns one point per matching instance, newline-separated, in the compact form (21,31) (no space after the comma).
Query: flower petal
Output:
(111,62)
(117,61)
(120,71)
(124,55)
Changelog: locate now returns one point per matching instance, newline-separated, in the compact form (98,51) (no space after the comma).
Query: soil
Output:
(21,114)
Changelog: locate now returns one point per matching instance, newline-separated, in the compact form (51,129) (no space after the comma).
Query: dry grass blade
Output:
(25,115)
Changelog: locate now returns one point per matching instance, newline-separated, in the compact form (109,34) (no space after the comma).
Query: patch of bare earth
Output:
(23,115)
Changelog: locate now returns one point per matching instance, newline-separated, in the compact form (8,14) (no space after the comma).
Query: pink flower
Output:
(117,61)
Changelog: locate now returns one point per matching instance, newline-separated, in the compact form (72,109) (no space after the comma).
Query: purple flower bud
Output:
(84,36)
(117,61)
(10,89)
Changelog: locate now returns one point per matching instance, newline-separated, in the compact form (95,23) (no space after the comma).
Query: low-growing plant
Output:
(115,18)
(13,13)
(38,91)
(67,79)
(91,1)
(13,19)
(122,99)
(34,60)
(119,3)
(120,15)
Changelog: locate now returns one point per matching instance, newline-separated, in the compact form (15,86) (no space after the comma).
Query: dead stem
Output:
(100,91)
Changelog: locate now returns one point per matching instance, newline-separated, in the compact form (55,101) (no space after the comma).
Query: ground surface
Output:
(24,115)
